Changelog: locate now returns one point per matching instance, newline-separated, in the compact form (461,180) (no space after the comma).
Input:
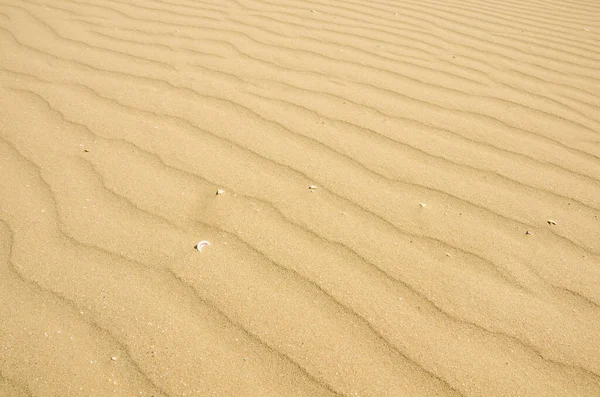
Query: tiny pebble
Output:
(528,232)
(551,222)
(114,358)
(220,192)
(201,245)
(423,205)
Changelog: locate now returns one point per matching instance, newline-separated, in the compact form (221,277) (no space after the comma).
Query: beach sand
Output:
(410,198)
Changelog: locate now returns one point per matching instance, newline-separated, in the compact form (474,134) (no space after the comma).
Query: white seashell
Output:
(201,245)
(423,205)
(220,192)
(312,187)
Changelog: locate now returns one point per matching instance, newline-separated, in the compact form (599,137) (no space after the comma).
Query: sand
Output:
(449,245)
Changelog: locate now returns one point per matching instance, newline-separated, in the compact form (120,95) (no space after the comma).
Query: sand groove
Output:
(120,119)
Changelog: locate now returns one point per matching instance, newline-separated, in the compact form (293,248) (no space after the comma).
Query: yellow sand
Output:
(451,246)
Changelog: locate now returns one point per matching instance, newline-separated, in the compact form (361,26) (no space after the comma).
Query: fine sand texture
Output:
(409,198)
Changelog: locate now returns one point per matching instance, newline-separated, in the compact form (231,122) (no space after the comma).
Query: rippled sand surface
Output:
(450,245)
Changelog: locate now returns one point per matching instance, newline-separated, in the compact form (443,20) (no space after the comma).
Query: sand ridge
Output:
(119,120)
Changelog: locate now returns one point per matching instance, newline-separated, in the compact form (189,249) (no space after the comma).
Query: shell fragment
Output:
(201,245)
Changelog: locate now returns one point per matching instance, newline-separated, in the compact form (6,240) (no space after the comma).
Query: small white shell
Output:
(220,192)
(201,245)
(312,187)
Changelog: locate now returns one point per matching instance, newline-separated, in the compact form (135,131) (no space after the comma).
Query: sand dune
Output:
(451,246)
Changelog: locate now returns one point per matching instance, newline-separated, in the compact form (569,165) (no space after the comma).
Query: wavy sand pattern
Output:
(119,120)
